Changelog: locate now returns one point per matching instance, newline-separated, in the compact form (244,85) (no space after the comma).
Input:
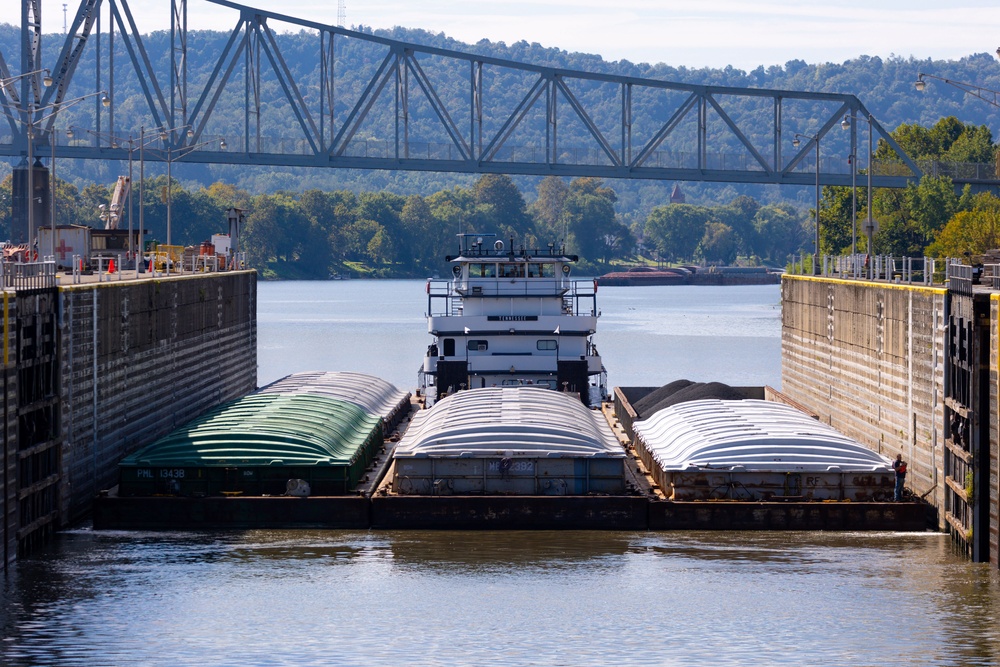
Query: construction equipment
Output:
(113,213)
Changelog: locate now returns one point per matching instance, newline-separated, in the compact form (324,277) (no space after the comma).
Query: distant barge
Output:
(691,275)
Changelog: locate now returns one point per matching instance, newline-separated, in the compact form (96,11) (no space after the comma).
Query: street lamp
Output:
(869,221)
(166,136)
(131,144)
(987,95)
(30,122)
(46,80)
(796,142)
(29,113)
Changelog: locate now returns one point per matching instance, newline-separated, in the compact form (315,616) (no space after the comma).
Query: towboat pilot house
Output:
(512,318)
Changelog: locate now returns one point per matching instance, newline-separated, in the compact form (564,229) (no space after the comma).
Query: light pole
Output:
(985,94)
(133,145)
(52,193)
(869,221)
(30,122)
(796,142)
(167,137)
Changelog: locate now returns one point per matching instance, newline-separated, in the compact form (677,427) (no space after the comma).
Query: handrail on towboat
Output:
(444,297)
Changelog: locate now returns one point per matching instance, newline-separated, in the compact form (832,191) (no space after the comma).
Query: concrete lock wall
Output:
(868,359)
(8,476)
(139,359)
(992,429)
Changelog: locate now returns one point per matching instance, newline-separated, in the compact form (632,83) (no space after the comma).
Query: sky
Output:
(690,33)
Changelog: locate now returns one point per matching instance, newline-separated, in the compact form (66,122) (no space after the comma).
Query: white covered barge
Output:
(523,441)
(755,450)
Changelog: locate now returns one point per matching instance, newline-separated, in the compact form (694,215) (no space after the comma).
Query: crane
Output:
(113,213)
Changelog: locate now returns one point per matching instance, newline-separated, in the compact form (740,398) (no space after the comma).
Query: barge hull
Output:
(171,513)
(835,516)
(511,512)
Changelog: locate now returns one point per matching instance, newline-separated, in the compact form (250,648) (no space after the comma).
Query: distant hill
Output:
(885,86)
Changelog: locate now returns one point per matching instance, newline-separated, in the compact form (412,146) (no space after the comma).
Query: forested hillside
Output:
(379,222)
(885,86)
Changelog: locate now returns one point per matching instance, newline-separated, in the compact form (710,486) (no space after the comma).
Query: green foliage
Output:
(780,232)
(312,222)
(719,243)
(589,216)
(676,230)
(973,232)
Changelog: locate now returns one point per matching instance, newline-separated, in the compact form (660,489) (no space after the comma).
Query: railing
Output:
(445,297)
(119,266)
(960,278)
(909,270)
(29,275)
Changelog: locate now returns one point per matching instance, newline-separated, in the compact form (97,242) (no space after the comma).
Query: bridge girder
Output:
(404,118)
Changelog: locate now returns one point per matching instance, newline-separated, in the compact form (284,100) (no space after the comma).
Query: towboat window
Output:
(512,270)
(546,345)
(478,270)
(478,345)
(541,270)
(448,347)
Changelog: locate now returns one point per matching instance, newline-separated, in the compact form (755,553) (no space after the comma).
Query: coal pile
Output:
(681,391)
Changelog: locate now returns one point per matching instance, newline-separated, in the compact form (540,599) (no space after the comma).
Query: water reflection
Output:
(483,598)
(470,553)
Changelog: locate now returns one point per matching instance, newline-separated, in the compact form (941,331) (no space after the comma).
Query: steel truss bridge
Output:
(367,102)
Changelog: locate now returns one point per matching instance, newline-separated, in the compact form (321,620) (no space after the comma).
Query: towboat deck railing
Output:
(445,298)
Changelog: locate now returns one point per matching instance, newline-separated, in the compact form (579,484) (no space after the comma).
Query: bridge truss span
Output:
(369,102)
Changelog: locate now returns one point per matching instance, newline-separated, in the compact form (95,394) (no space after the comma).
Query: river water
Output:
(503,598)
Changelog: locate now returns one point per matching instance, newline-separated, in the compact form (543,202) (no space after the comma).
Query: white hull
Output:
(512,319)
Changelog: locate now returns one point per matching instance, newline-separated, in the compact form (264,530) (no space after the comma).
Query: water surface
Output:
(503,598)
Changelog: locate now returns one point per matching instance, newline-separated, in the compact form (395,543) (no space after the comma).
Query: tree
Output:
(975,144)
(719,244)
(547,209)
(503,208)
(384,209)
(931,203)
(261,232)
(780,232)
(589,216)
(676,230)
(427,243)
(739,216)
(837,216)
(973,232)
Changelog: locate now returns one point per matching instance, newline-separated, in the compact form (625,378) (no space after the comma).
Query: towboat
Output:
(509,318)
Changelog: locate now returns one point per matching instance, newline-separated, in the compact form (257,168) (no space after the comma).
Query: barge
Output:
(510,429)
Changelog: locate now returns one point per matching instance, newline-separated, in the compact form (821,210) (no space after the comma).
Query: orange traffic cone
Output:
(111,266)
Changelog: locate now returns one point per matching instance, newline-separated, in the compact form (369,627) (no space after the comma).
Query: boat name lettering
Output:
(172,473)
(512,318)
(144,473)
